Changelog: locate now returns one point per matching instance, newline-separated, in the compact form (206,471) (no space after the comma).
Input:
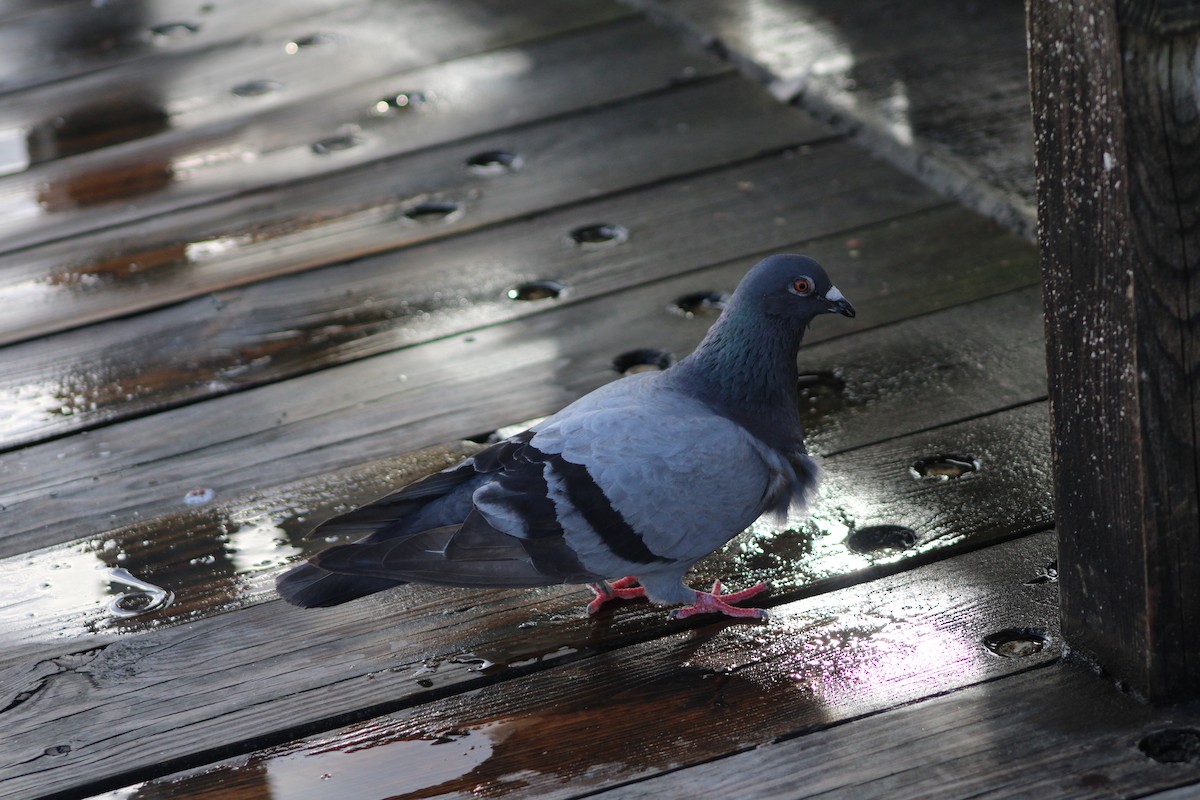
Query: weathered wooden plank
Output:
(439,391)
(681,699)
(1060,731)
(277,329)
(388,204)
(1119,198)
(938,88)
(308,76)
(226,143)
(59,40)
(897,379)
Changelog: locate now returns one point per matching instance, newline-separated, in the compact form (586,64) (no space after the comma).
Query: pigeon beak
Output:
(836,303)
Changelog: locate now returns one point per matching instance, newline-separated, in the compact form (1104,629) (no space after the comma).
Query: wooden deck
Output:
(261,262)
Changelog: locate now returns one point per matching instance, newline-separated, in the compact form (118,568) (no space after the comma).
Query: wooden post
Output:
(1116,104)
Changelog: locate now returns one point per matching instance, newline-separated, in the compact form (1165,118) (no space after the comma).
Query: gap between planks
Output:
(693,695)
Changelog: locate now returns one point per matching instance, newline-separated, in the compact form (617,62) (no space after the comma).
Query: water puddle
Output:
(204,559)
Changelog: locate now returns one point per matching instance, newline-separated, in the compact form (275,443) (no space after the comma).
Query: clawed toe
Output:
(623,589)
(718,603)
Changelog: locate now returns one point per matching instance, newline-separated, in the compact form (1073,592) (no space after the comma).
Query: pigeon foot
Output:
(718,603)
(623,589)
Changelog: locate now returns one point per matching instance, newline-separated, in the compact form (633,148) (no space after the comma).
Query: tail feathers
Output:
(309,586)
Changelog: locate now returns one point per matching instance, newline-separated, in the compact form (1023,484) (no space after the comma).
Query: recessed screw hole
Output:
(1048,574)
(1016,642)
(820,388)
(335,144)
(944,467)
(432,211)
(536,290)
(646,359)
(173,32)
(306,42)
(599,235)
(401,101)
(256,88)
(881,538)
(1172,746)
(494,162)
(699,303)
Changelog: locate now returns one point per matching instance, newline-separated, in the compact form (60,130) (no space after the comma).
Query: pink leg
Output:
(623,589)
(717,603)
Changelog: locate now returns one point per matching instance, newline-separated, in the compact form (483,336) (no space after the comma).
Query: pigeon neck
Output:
(746,368)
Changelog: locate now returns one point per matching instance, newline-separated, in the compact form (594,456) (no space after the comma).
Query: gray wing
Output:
(645,478)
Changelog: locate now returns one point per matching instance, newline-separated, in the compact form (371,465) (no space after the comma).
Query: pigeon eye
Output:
(802,286)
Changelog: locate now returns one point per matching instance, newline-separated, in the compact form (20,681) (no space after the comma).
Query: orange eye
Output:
(802,286)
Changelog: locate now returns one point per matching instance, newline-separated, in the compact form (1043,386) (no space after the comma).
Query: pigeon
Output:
(640,478)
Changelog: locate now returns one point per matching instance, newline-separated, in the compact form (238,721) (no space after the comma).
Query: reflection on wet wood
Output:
(381,206)
(277,329)
(940,87)
(407,399)
(358,124)
(1056,732)
(237,674)
(207,355)
(605,717)
(212,97)
(216,557)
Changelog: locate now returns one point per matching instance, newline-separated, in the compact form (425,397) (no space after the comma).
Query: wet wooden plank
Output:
(448,389)
(897,379)
(277,329)
(1118,173)
(308,76)
(1059,731)
(235,135)
(391,203)
(59,40)
(681,699)
(938,88)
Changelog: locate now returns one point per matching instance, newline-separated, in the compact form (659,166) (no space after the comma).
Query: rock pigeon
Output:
(641,478)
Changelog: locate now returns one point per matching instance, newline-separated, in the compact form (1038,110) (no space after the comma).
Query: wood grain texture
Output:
(375,207)
(226,144)
(56,41)
(222,554)
(1059,731)
(1119,193)
(939,88)
(277,329)
(442,390)
(320,72)
(822,660)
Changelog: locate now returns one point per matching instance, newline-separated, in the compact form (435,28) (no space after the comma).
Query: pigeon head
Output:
(791,286)
(746,365)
